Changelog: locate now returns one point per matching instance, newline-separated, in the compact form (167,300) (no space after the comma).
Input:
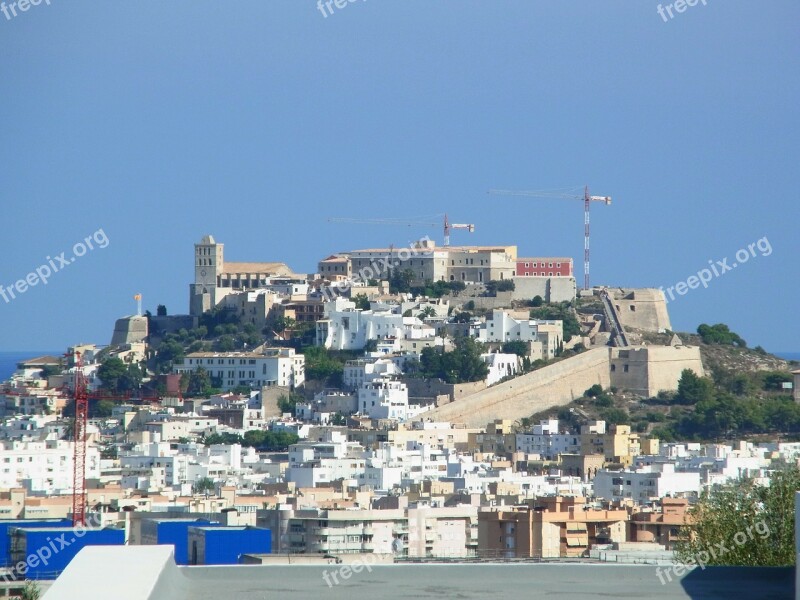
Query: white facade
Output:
(280,367)
(359,371)
(43,467)
(501,327)
(383,398)
(646,484)
(500,366)
(547,442)
(348,328)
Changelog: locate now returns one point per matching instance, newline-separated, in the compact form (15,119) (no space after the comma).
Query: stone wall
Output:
(129,330)
(551,289)
(641,308)
(646,370)
(554,385)
(650,369)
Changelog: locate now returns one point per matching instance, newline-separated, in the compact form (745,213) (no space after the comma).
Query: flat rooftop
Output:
(149,573)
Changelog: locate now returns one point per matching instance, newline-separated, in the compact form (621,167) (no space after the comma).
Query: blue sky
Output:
(255,121)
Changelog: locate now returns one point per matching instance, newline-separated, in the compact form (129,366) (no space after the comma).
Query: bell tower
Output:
(208,265)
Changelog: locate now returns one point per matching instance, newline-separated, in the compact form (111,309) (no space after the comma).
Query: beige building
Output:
(470,264)
(557,527)
(214,278)
(617,444)
(647,370)
(413,532)
(662,525)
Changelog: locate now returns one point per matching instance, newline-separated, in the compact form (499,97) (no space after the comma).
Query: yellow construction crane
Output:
(587,200)
(448,226)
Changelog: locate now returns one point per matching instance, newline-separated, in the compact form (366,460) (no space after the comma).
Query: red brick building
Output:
(544,267)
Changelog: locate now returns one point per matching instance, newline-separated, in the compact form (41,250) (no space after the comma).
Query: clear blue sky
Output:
(160,122)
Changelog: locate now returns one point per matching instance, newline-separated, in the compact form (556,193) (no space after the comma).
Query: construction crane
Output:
(587,200)
(448,226)
(81,397)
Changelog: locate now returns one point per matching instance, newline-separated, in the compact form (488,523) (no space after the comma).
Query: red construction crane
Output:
(587,200)
(448,226)
(81,396)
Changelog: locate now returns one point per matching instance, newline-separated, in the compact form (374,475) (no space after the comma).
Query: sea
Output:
(9,360)
(788,355)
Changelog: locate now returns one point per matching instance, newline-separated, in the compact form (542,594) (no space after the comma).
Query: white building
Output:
(43,468)
(547,442)
(281,367)
(384,398)
(500,366)
(646,484)
(348,328)
(359,371)
(500,327)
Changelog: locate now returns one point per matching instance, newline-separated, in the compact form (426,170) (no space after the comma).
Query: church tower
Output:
(208,265)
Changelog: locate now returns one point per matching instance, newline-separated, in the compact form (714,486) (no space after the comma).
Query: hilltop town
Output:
(420,403)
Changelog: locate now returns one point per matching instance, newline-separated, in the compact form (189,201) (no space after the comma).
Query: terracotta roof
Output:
(252,267)
(41,360)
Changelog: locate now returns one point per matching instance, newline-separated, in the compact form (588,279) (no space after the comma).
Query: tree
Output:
(615,416)
(119,377)
(720,334)
(321,365)
(594,391)
(362,301)
(516,347)
(502,285)
(110,372)
(101,409)
(31,591)
(537,301)
(400,281)
(753,523)
(203,485)
(463,364)
(49,371)
(560,312)
(693,389)
(426,312)
(287,404)
(199,383)
(161,310)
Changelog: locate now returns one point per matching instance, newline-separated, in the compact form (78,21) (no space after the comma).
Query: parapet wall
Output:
(129,330)
(647,370)
(643,370)
(641,308)
(555,385)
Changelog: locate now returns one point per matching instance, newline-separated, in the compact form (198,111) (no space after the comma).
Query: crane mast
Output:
(587,200)
(81,397)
